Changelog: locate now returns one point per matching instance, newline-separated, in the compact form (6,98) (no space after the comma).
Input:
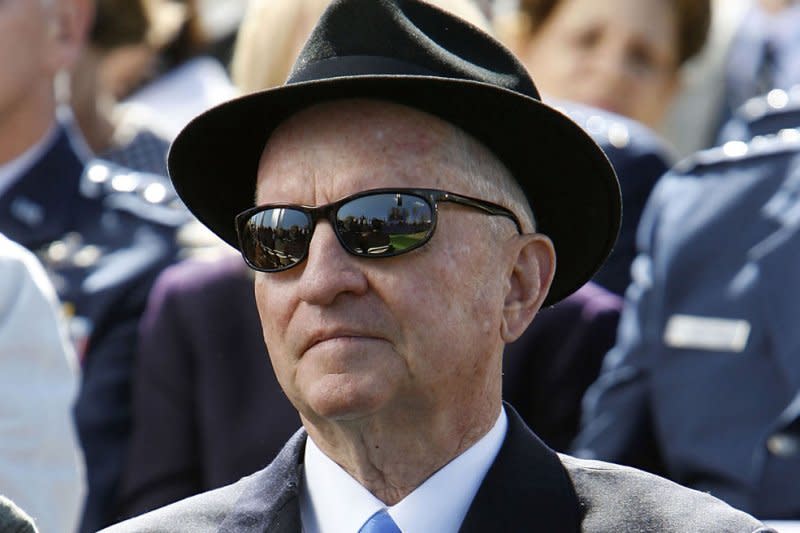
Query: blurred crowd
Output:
(127,384)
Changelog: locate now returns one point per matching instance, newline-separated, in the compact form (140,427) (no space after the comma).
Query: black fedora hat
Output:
(411,53)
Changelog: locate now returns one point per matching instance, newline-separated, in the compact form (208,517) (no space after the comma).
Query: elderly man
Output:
(411,195)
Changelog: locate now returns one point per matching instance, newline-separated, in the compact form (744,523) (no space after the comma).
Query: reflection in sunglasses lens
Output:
(277,238)
(384,224)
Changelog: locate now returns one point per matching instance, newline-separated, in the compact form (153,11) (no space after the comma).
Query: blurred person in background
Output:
(764,54)
(623,56)
(102,232)
(752,48)
(703,384)
(640,157)
(210,28)
(124,42)
(41,464)
(189,77)
(269,39)
(763,116)
(273,31)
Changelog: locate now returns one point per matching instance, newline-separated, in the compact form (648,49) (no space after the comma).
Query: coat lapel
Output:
(775,263)
(527,485)
(270,502)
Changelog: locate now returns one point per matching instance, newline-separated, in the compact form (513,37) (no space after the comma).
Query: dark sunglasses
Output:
(373,223)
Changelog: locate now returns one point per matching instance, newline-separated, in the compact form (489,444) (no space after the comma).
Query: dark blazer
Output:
(207,408)
(548,369)
(206,398)
(528,486)
(102,242)
(712,405)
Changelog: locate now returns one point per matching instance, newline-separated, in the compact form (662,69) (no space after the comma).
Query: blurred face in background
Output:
(28,58)
(619,55)
(37,39)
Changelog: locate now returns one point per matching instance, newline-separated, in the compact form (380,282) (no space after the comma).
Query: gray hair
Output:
(489,179)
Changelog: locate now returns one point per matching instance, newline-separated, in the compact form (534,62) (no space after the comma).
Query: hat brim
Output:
(566,177)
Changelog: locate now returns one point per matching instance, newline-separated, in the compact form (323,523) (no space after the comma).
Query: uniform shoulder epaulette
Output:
(786,140)
(774,102)
(612,130)
(148,196)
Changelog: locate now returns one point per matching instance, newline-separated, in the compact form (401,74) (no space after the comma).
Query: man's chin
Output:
(342,399)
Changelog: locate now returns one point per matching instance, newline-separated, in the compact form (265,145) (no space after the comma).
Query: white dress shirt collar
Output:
(331,501)
(11,171)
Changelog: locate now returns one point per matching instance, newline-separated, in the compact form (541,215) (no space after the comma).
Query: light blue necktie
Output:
(380,522)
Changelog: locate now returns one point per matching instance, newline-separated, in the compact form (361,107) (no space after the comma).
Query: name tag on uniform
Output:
(703,333)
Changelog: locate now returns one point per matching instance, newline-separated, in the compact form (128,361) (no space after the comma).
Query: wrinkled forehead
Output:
(360,135)
(364,124)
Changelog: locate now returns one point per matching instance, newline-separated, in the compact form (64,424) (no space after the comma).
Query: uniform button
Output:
(618,135)
(98,173)
(596,124)
(777,99)
(789,135)
(735,149)
(155,193)
(86,256)
(783,445)
(125,182)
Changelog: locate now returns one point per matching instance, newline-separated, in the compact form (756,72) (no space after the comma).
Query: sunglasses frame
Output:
(328,212)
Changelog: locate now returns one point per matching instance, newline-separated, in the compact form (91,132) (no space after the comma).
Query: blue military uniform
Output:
(103,233)
(703,384)
(639,158)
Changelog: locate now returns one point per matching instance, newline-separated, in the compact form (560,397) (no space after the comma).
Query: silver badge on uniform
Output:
(704,333)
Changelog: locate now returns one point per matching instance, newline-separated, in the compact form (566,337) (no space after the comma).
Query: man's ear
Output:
(528,283)
(70,24)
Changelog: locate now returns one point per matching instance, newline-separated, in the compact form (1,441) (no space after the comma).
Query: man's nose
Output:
(329,270)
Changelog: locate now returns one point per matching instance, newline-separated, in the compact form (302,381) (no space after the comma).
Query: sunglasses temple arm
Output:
(486,207)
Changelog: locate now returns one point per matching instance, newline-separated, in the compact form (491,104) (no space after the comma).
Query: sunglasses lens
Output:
(275,239)
(384,224)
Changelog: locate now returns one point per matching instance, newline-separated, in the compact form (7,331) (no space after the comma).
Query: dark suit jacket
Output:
(207,408)
(548,369)
(206,398)
(528,486)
